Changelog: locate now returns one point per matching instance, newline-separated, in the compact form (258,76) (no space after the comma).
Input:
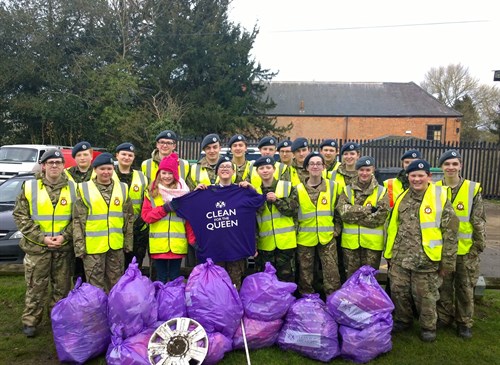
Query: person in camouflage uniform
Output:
(203,172)
(276,241)
(317,230)
(137,184)
(421,249)
(238,146)
(456,301)
(284,149)
(329,149)
(346,173)
(300,150)
(101,243)
(47,240)
(400,183)
(363,207)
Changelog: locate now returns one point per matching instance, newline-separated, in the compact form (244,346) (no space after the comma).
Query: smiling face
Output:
(266,172)
(419,180)
(268,151)
(165,146)
(83,159)
(225,171)
(315,166)
(350,157)
(329,153)
(125,158)
(300,155)
(212,152)
(104,173)
(166,178)
(239,149)
(365,173)
(452,167)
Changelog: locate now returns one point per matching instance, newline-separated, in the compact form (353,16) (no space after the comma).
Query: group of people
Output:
(303,211)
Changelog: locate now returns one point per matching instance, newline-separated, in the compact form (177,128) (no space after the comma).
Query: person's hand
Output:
(201,187)
(245,184)
(271,197)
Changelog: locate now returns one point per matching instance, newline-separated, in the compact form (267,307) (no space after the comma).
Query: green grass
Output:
(484,348)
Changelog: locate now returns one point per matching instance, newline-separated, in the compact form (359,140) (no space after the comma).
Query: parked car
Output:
(10,252)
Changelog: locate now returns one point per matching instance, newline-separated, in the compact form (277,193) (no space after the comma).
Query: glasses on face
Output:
(315,164)
(54,163)
(222,167)
(166,143)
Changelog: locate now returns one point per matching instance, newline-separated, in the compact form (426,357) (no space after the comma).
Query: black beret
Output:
(52,153)
(126,146)
(80,146)
(417,165)
(285,143)
(237,138)
(267,141)
(448,155)
(168,134)
(411,154)
(311,155)
(350,146)
(365,161)
(264,160)
(209,139)
(299,143)
(221,161)
(328,143)
(105,158)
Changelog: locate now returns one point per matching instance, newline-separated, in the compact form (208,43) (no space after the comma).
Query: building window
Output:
(434,132)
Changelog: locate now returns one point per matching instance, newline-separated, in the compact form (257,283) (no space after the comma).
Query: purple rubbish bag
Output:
(212,300)
(259,334)
(132,305)
(363,345)
(310,330)
(264,297)
(80,324)
(361,301)
(131,351)
(171,299)
(218,345)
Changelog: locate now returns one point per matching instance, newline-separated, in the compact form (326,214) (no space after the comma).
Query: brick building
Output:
(362,111)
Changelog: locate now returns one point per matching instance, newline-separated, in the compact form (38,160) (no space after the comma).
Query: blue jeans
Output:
(167,269)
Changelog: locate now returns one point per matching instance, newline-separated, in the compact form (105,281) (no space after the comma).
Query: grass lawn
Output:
(484,348)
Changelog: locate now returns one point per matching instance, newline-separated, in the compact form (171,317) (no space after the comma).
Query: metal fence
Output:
(481,160)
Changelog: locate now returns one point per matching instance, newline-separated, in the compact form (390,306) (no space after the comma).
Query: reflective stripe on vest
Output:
(150,168)
(136,191)
(167,234)
(354,235)
(462,204)
(104,226)
(430,213)
(275,229)
(256,181)
(394,189)
(316,221)
(52,220)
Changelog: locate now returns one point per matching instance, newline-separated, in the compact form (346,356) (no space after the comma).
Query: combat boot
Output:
(464,332)
(29,331)
(427,336)
(400,326)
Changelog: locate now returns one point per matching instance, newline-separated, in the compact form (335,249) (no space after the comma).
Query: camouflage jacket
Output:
(403,177)
(408,251)
(32,240)
(80,213)
(240,171)
(78,175)
(359,214)
(287,206)
(301,171)
(204,165)
(349,176)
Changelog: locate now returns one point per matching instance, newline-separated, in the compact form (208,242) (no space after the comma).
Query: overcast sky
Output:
(372,40)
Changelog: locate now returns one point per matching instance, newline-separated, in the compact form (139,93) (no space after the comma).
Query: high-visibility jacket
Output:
(354,235)
(104,226)
(70,177)
(316,221)
(328,173)
(394,189)
(199,175)
(256,181)
(275,229)
(136,191)
(168,234)
(430,213)
(52,220)
(339,179)
(462,204)
(150,168)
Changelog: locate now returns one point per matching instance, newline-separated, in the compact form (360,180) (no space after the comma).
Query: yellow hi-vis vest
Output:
(150,168)
(339,179)
(104,226)
(256,181)
(316,222)
(199,175)
(430,214)
(136,191)
(275,229)
(167,234)
(394,189)
(52,220)
(328,173)
(354,235)
(462,204)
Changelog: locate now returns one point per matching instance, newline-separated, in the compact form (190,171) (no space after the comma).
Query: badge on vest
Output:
(324,201)
(64,201)
(460,206)
(117,201)
(428,210)
(136,188)
(369,205)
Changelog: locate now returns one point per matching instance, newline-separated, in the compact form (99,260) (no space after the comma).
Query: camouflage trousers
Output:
(48,279)
(105,269)
(354,259)
(328,257)
(282,260)
(235,269)
(456,300)
(420,288)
